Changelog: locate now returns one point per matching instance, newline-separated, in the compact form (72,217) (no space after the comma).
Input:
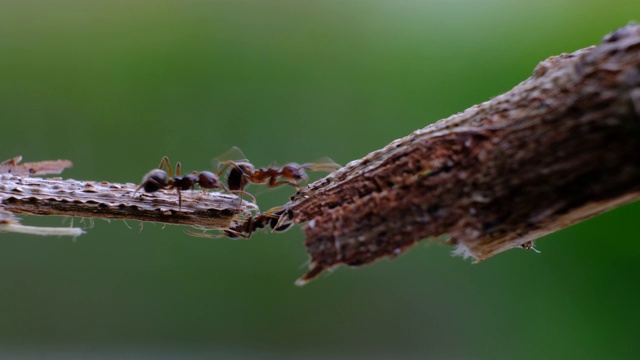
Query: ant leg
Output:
(179,200)
(241,192)
(244,177)
(228,233)
(165,162)
(326,167)
(274,212)
(273,183)
(195,234)
(224,168)
(136,191)
(204,191)
(283,221)
(177,169)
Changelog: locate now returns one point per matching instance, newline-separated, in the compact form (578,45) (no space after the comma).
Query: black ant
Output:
(271,218)
(158,179)
(243,172)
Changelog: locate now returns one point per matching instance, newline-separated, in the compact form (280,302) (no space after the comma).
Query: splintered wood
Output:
(8,222)
(12,166)
(562,146)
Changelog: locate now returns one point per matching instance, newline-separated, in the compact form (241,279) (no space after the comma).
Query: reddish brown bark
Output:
(560,147)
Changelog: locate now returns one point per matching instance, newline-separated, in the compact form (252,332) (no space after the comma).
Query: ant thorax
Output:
(185,182)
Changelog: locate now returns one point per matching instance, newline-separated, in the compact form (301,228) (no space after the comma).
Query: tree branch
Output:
(89,199)
(562,146)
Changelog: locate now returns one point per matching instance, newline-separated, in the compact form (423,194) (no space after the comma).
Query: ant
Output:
(529,245)
(243,172)
(158,179)
(271,218)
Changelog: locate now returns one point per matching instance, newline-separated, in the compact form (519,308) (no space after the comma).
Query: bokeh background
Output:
(115,85)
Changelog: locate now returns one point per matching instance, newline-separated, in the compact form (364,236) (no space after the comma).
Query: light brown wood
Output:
(90,199)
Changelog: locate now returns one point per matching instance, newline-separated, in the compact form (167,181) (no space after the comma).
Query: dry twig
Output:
(89,199)
(12,166)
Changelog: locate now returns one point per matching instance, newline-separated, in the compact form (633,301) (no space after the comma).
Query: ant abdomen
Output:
(238,176)
(235,180)
(155,180)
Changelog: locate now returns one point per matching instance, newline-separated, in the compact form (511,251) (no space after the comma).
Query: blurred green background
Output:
(116,85)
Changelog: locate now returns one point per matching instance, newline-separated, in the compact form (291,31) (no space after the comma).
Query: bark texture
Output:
(562,146)
(92,199)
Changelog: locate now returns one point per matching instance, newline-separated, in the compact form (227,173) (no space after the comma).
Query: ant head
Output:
(208,180)
(293,171)
(258,224)
(155,180)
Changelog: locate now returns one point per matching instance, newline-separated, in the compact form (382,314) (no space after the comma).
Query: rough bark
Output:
(562,146)
(91,199)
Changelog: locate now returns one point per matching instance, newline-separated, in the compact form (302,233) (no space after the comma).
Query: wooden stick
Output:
(90,199)
(561,147)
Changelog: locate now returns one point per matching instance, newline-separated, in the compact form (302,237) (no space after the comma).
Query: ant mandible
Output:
(243,172)
(158,179)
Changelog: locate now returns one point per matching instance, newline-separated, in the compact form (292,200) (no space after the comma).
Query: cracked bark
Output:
(562,146)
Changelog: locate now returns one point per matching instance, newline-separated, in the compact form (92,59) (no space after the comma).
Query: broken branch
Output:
(561,147)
